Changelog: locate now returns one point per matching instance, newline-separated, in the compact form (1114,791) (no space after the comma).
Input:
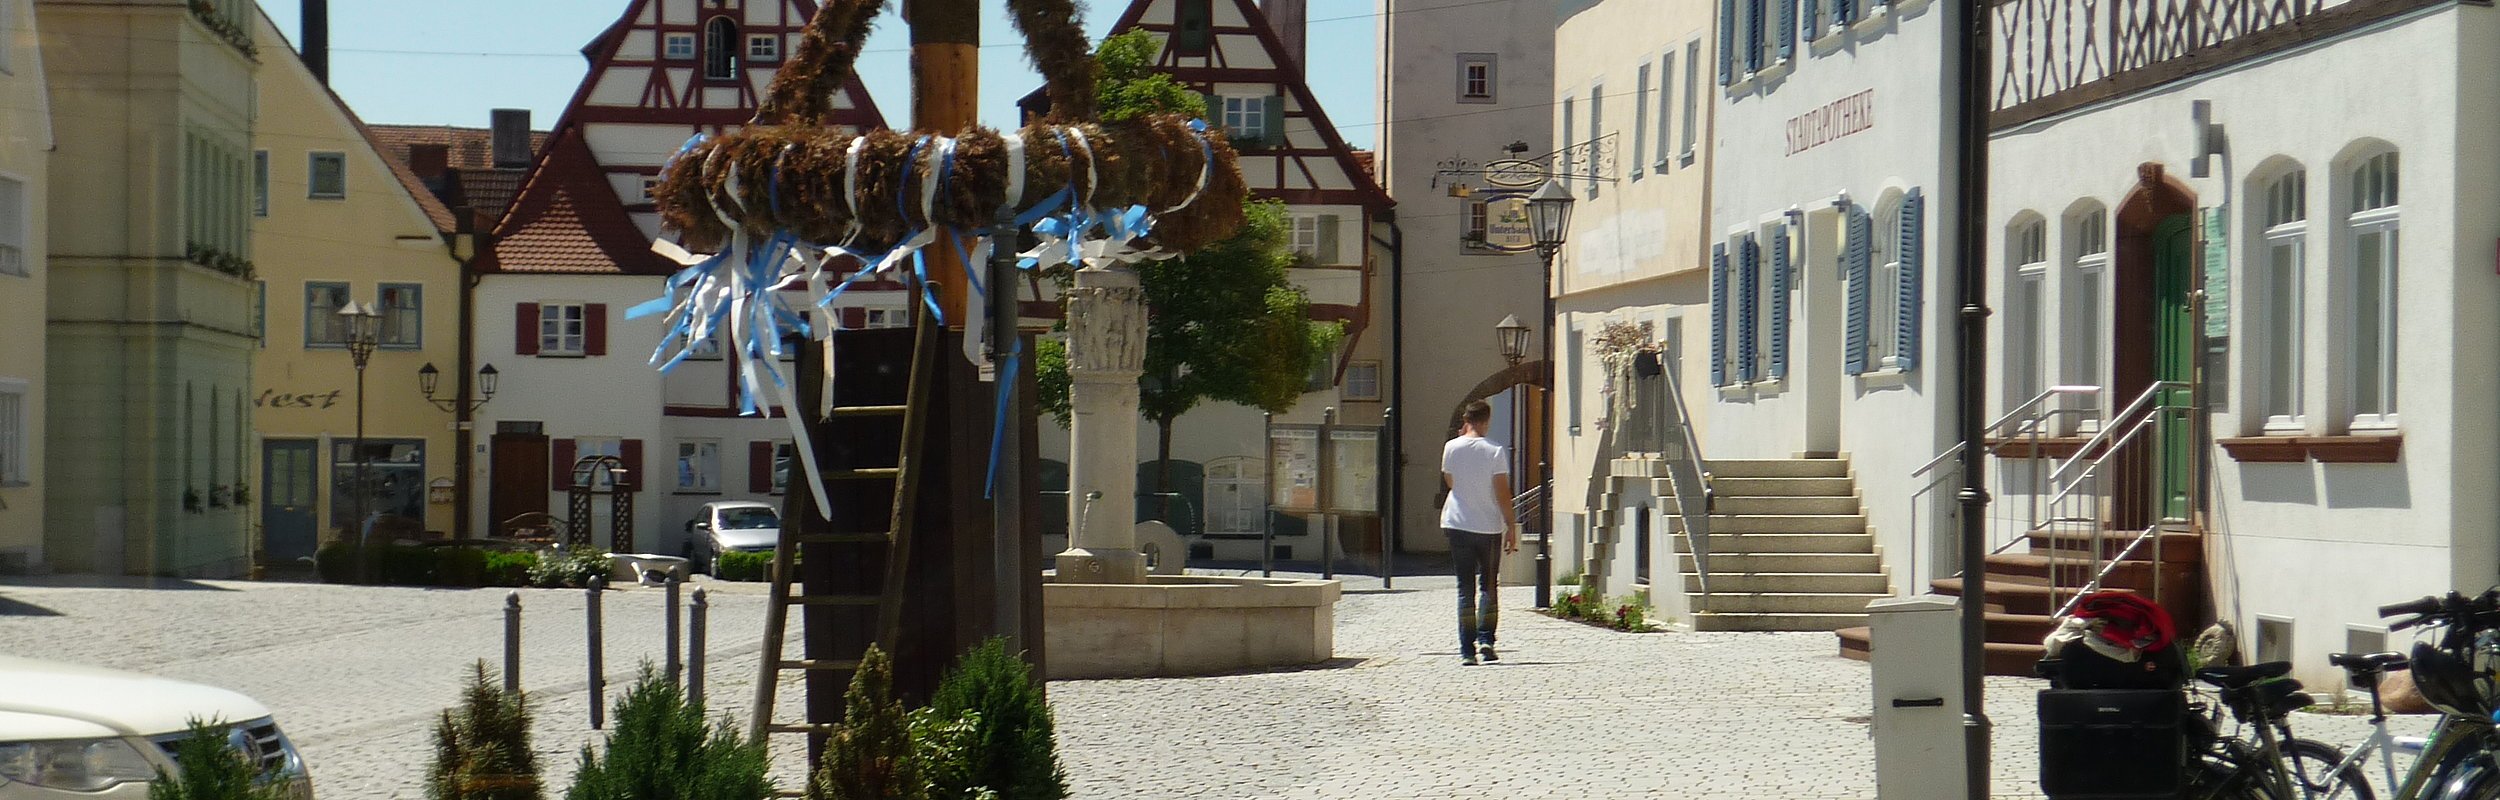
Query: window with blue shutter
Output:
(1748,308)
(1753,36)
(1810,27)
(1779,302)
(1787,23)
(1718,315)
(1913,262)
(1844,11)
(1727,42)
(1861,264)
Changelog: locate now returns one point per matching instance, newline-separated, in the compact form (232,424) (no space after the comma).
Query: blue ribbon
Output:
(998,423)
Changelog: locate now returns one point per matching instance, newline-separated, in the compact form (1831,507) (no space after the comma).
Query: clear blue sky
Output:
(446,62)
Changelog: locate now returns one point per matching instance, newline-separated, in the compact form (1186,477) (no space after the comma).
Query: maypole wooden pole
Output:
(945,99)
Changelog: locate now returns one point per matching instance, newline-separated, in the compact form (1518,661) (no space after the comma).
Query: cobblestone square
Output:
(357,675)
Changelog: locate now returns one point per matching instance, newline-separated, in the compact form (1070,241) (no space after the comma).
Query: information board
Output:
(1354,470)
(1293,467)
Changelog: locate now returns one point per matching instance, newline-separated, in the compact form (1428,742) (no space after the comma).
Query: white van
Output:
(71,731)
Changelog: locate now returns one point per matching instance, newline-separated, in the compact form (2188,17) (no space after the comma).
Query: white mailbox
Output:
(1917,664)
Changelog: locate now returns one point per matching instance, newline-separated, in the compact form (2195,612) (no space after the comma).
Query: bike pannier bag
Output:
(2106,744)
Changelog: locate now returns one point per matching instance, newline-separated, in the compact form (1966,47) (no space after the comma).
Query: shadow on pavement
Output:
(114,582)
(16,608)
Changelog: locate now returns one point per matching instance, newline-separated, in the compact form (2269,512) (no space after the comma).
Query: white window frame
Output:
(1362,381)
(563,329)
(2085,296)
(677,47)
(17,227)
(391,325)
(1478,78)
(323,328)
(764,47)
(886,318)
(312,175)
(1302,236)
(698,466)
(1242,482)
(16,429)
(2281,265)
(735,62)
(1692,98)
(2374,210)
(2026,368)
(1245,117)
(1883,296)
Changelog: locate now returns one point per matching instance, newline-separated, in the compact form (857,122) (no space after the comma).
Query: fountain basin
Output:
(1175,625)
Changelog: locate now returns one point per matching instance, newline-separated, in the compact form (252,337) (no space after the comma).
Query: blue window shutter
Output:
(1787,23)
(1844,11)
(1753,35)
(1748,308)
(1810,27)
(1913,262)
(1718,315)
(1727,42)
(1779,302)
(1861,270)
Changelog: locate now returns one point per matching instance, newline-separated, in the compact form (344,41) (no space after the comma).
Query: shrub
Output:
(508,568)
(482,750)
(459,566)
(948,754)
(1015,752)
(570,570)
(872,755)
(213,770)
(738,566)
(403,565)
(661,748)
(336,562)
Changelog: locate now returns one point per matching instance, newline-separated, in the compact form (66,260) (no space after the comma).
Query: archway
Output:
(2154,339)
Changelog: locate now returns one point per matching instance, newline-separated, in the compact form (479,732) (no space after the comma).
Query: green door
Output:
(2174,354)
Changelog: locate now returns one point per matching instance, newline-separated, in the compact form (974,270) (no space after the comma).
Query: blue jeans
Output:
(1478,559)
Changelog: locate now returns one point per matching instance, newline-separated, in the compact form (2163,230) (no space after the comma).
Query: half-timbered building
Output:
(573,253)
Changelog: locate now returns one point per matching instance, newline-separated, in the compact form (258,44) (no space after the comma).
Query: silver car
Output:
(70,731)
(727,526)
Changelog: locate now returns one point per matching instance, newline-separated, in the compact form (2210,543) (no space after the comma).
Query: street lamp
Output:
(1512,335)
(428,378)
(364,330)
(1549,213)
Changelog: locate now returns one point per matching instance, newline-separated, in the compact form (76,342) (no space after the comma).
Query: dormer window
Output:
(720,49)
(679,47)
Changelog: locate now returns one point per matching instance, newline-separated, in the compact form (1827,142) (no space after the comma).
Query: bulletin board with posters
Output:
(1293,467)
(1353,466)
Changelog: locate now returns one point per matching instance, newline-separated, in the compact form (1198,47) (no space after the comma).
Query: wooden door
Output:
(519,476)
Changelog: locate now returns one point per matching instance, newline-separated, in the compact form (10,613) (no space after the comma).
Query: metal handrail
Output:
(1690,475)
(2032,420)
(2102,574)
(2009,416)
(2099,436)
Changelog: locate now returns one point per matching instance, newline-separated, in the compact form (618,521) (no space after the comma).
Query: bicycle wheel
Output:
(2214,777)
(2313,763)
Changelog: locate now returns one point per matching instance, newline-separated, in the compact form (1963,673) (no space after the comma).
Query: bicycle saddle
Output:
(2237,677)
(2370,661)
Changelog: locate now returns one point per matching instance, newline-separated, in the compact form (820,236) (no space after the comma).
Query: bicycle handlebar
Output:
(2423,606)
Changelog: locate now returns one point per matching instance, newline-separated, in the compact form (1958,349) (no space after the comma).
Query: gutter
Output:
(1396,243)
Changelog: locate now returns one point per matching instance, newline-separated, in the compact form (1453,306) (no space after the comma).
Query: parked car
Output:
(727,526)
(73,731)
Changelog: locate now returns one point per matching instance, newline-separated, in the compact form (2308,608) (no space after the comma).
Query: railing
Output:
(1687,471)
(2031,422)
(2131,476)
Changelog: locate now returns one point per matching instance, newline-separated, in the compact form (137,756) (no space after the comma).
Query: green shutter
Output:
(1275,133)
(1215,108)
(1195,17)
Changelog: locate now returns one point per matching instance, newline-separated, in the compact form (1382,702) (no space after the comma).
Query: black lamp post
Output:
(364,331)
(428,378)
(1512,336)
(1549,213)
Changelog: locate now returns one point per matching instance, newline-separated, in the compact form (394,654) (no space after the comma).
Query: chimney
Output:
(317,39)
(429,161)
(512,138)
(1290,18)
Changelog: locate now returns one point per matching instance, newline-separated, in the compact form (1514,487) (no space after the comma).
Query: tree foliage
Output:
(482,749)
(1014,749)
(660,747)
(1128,86)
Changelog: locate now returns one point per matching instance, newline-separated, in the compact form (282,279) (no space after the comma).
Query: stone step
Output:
(1788,523)
(1771,505)
(1726,487)
(2175,547)
(2070,568)
(1709,621)
(2000,658)
(1842,582)
(1860,563)
(2018,598)
(1779,468)
(1784,602)
(1744,543)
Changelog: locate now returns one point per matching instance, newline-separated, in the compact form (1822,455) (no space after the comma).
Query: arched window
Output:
(2087,265)
(720,49)
(2281,270)
(2371,234)
(2026,298)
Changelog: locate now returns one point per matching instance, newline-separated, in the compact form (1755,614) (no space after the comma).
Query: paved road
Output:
(357,675)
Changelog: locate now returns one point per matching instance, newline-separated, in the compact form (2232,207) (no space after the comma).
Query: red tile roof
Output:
(567,219)
(471,148)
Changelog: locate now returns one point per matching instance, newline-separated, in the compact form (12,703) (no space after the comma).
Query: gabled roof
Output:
(566,219)
(435,212)
(471,148)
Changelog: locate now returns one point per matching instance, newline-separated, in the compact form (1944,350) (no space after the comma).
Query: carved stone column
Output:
(1106,354)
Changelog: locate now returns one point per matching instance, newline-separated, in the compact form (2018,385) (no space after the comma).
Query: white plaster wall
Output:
(1887,426)
(2320,544)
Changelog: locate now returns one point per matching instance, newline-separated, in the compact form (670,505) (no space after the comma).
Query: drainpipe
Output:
(1971,231)
(1396,243)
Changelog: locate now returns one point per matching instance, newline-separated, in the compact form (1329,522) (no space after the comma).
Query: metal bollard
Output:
(512,643)
(671,661)
(598,670)
(695,613)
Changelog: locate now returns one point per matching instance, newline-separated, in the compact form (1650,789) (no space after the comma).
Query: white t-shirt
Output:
(1471,462)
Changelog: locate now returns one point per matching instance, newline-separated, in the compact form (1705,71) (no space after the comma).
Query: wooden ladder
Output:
(888,600)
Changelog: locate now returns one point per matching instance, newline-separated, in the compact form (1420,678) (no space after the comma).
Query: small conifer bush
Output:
(213,770)
(482,749)
(1016,750)
(871,757)
(661,747)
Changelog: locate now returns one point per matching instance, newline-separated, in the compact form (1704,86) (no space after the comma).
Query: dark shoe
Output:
(1488,654)
(1466,660)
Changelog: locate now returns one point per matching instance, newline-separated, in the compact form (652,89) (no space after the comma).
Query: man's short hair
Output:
(1479,413)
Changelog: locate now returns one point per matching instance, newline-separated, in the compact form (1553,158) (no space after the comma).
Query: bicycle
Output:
(2275,765)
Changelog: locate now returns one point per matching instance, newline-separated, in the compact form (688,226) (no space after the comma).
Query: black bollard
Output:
(669,626)
(512,643)
(695,613)
(598,670)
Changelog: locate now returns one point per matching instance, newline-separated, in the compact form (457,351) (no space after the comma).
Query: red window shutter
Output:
(631,453)
(562,453)
(854,318)
(760,467)
(525,329)
(595,329)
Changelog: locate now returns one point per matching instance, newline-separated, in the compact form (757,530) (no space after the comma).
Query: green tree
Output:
(870,757)
(661,748)
(1226,323)
(1014,750)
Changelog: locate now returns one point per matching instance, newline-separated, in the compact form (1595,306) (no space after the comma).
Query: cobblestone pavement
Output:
(357,675)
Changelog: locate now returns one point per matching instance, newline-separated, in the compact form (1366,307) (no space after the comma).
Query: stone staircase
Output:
(1789,548)
(2021,599)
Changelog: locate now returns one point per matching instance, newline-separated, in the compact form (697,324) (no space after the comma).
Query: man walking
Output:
(1476,518)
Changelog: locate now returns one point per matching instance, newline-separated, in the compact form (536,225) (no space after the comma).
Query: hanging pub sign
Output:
(1506,225)
(1354,470)
(1293,462)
